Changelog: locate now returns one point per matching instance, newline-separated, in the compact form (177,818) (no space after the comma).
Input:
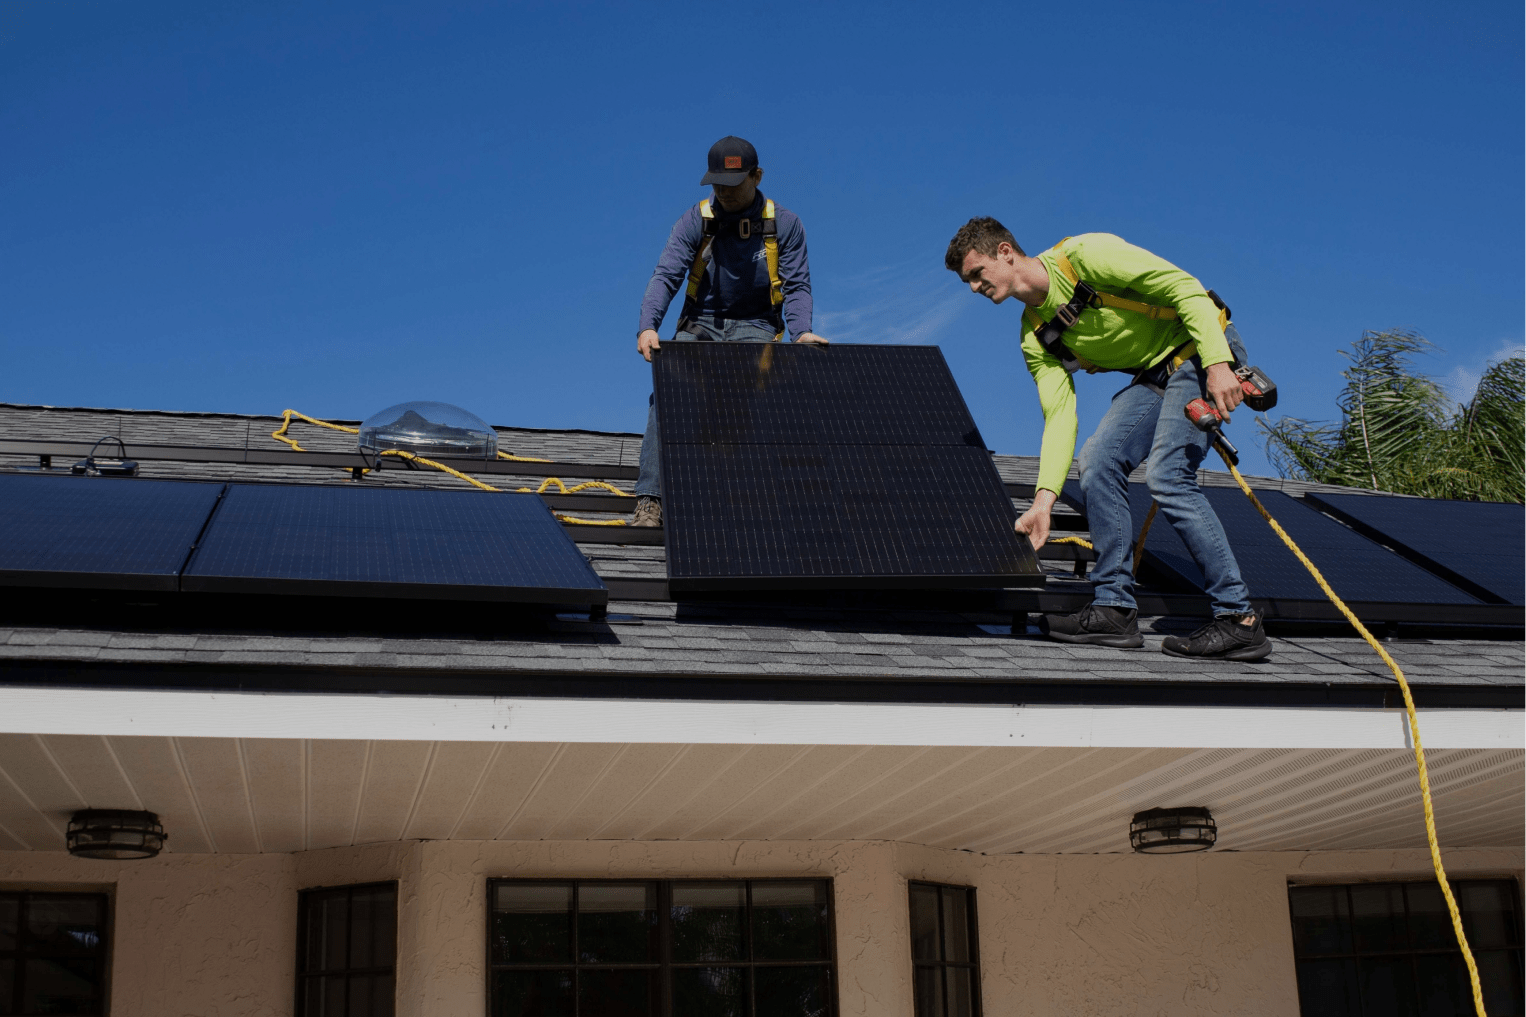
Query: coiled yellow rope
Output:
(1409,707)
(286,418)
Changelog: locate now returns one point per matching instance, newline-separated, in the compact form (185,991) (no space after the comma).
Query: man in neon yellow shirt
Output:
(1144,316)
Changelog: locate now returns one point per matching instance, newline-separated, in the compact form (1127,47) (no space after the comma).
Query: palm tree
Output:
(1400,432)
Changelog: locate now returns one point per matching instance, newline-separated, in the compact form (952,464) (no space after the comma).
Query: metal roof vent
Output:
(429,429)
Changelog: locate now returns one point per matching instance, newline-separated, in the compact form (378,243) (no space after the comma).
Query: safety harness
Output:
(1051,333)
(769,227)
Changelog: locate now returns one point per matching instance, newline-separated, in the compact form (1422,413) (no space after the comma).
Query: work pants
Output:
(649,481)
(1141,424)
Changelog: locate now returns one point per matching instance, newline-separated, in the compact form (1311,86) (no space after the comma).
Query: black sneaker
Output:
(1095,624)
(1222,639)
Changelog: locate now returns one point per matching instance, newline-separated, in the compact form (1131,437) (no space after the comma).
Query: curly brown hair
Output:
(982,234)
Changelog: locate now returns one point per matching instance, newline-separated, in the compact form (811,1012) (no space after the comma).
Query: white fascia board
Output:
(483,719)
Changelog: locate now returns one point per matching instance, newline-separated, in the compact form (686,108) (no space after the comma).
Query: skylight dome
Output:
(429,429)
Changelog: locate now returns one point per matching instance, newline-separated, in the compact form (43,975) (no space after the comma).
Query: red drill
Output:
(1260,394)
(1206,418)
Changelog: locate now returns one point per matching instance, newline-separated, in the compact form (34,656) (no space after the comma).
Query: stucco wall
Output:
(215,935)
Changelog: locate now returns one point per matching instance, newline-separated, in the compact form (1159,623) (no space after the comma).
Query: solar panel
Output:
(450,545)
(1479,545)
(104,533)
(800,466)
(1359,570)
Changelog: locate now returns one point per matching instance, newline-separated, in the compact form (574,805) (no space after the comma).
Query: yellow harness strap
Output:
(697,270)
(770,246)
(775,284)
(1151,311)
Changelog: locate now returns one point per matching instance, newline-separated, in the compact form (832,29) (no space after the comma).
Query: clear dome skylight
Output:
(429,429)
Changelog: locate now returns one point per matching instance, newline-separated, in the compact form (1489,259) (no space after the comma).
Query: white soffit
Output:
(239,796)
(485,719)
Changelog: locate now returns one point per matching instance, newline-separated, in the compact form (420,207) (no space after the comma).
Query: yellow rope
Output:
(1414,730)
(280,435)
(575,488)
(413,458)
(1073,540)
(589,522)
(1409,709)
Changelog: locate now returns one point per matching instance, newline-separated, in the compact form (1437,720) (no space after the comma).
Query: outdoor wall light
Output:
(1172,831)
(114,834)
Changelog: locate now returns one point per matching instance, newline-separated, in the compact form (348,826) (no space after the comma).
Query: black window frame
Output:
(1356,954)
(665,965)
(943,963)
(102,957)
(304,899)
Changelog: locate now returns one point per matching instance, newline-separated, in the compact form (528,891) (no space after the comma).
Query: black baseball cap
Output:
(731,159)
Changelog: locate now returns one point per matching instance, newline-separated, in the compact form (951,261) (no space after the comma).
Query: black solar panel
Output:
(837,467)
(1359,570)
(105,533)
(1478,545)
(451,545)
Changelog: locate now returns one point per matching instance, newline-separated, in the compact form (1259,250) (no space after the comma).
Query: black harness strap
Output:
(1051,334)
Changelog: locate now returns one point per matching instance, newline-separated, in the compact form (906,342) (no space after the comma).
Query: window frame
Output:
(103,957)
(665,964)
(1410,952)
(301,977)
(973,964)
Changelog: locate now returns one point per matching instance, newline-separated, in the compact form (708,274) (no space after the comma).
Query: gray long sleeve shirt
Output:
(735,284)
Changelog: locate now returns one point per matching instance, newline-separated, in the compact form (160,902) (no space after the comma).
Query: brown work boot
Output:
(648,512)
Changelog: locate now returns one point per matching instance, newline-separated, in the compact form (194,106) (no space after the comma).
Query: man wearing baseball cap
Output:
(745,262)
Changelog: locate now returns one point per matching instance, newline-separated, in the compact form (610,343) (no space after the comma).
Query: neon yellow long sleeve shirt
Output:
(1112,337)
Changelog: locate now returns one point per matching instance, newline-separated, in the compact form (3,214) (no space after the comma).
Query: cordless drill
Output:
(1260,395)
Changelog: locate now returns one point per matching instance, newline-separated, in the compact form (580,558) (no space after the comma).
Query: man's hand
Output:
(811,337)
(1225,389)
(646,342)
(1035,522)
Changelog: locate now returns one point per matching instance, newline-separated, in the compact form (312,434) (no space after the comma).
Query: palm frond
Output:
(1400,432)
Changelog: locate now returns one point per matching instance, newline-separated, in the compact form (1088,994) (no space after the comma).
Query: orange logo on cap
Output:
(733,162)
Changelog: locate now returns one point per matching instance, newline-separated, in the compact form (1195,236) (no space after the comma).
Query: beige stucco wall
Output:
(215,935)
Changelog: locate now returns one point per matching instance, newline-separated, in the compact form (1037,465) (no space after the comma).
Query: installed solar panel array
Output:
(798,466)
(100,534)
(1478,545)
(457,545)
(139,535)
(1375,581)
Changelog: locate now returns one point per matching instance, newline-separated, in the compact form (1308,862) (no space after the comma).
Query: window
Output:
(944,950)
(1373,949)
(597,948)
(346,951)
(52,953)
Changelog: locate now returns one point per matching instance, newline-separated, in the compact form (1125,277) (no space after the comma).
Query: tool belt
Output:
(1155,378)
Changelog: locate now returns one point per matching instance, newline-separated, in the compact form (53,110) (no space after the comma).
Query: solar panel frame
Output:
(424,544)
(777,460)
(106,533)
(1477,546)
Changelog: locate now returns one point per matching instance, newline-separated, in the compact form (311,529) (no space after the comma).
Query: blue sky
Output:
(336,207)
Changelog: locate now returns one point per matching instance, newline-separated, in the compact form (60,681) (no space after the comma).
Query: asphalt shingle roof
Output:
(935,641)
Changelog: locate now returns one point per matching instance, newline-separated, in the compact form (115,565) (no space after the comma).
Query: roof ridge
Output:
(206,414)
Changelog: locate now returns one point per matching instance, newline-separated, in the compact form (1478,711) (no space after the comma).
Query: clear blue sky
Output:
(339,206)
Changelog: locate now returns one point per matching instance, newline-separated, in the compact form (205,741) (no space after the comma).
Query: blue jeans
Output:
(1142,424)
(649,480)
